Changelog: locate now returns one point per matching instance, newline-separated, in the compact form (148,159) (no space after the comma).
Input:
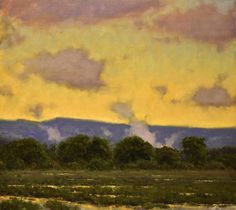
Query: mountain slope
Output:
(55,130)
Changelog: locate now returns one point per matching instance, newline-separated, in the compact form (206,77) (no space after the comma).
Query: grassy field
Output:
(122,188)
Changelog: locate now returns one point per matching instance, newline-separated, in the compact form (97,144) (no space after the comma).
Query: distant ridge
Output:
(54,130)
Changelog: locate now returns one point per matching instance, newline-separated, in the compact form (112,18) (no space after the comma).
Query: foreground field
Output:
(122,188)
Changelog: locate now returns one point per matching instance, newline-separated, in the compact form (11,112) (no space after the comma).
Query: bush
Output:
(25,153)
(78,165)
(2,165)
(16,204)
(215,165)
(168,157)
(99,164)
(55,205)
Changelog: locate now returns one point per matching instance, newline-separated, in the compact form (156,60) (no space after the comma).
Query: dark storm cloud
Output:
(204,23)
(54,11)
(215,96)
(36,111)
(70,67)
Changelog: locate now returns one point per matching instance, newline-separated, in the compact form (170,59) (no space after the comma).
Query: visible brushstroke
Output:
(204,23)
(6,90)
(70,67)
(137,127)
(36,111)
(221,78)
(162,90)
(9,37)
(140,129)
(169,141)
(90,11)
(54,134)
(123,109)
(106,132)
(215,96)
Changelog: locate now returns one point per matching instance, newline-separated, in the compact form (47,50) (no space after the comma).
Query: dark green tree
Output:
(25,153)
(99,149)
(224,155)
(194,150)
(73,149)
(167,156)
(132,149)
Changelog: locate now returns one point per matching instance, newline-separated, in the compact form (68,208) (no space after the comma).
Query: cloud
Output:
(137,127)
(162,90)
(36,111)
(215,96)
(53,133)
(54,11)
(123,109)
(9,37)
(6,91)
(221,78)
(203,23)
(70,67)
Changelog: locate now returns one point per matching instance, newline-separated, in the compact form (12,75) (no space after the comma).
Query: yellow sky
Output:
(160,74)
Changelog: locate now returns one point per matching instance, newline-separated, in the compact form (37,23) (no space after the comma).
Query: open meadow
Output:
(119,189)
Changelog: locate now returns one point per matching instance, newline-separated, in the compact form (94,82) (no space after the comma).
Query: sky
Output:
(161,62)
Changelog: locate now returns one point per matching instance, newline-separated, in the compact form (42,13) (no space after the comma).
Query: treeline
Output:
(95,153)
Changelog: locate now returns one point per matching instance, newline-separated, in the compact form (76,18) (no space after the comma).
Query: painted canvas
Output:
(117,104)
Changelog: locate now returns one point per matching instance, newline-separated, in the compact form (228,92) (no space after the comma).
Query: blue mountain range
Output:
(55,130)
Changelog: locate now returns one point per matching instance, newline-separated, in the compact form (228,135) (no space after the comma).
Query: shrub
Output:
(99,164)
(25,153)
(55,205)
(16,204)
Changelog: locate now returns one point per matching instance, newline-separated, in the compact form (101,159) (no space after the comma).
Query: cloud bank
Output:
(89,11)
(203,23)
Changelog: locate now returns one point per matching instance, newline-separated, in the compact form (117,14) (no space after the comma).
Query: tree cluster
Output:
(95,153)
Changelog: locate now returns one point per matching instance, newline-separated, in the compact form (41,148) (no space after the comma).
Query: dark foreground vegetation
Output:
(83,152)
(146,188)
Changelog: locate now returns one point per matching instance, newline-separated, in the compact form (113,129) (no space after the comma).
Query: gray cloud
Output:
(215,96)
(162,90)
(36,111)
(54,11)
(70,67)
(6,91)
(123,109)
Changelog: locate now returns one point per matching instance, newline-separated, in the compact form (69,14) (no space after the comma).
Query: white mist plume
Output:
(169,141)
(138,128)
(53,133)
